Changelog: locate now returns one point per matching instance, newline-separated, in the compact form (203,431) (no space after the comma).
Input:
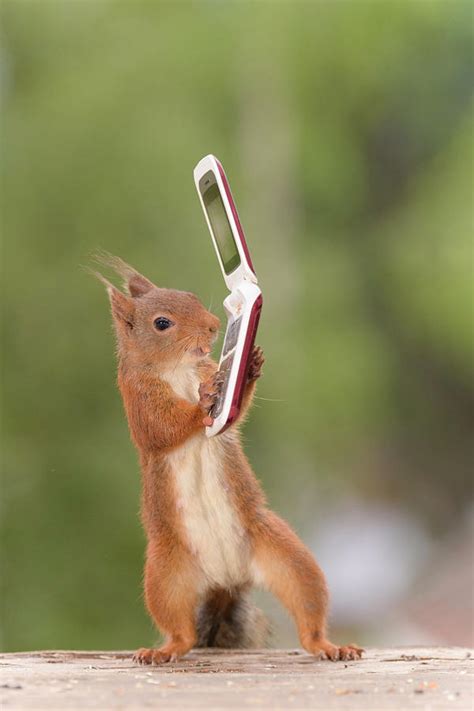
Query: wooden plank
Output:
(409,678)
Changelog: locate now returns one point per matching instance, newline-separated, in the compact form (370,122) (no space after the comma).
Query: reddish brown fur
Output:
(161,422)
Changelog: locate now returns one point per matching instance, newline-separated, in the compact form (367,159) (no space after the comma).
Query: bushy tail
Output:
(231,621)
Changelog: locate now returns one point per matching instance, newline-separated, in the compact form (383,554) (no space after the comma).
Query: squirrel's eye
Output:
(162,323)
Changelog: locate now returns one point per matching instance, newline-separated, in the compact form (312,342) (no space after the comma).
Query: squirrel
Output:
(210,535)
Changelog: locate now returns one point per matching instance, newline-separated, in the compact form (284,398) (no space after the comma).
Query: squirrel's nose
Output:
(213,324)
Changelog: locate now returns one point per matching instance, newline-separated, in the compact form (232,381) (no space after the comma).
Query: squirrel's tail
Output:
(230,620)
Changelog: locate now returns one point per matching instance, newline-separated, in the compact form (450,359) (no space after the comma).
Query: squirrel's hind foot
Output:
(163,655)
(327,650)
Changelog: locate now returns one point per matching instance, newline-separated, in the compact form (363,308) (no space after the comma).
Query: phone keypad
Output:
(231,336)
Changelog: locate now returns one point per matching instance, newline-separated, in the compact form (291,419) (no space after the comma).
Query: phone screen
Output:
(221,229)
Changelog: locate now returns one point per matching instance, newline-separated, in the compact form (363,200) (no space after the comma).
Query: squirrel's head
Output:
(156,325)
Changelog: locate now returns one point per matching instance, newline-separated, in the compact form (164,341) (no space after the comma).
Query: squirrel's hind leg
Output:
(171,599)
(291,573)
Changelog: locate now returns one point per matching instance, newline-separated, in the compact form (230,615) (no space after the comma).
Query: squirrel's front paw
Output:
(208,393)
(257,359)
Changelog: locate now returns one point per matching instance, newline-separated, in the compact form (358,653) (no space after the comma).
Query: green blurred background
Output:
(345,130)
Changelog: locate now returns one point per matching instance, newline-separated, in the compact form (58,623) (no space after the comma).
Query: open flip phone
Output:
(244,303)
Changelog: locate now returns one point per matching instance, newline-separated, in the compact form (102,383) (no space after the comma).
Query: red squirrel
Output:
(210,535)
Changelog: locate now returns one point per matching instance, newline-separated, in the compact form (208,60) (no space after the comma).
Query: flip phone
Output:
(244,303)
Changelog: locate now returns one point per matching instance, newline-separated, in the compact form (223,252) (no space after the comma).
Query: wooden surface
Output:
(410,678)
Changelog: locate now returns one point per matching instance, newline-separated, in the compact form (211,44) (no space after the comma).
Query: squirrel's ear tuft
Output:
(135,283)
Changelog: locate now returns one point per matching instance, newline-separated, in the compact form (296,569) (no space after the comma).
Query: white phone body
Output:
(244,303)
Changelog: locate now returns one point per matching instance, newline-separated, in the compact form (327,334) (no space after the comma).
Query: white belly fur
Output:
(214,532)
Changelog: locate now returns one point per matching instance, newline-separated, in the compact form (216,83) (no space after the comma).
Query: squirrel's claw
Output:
(208,394)
(257,359)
